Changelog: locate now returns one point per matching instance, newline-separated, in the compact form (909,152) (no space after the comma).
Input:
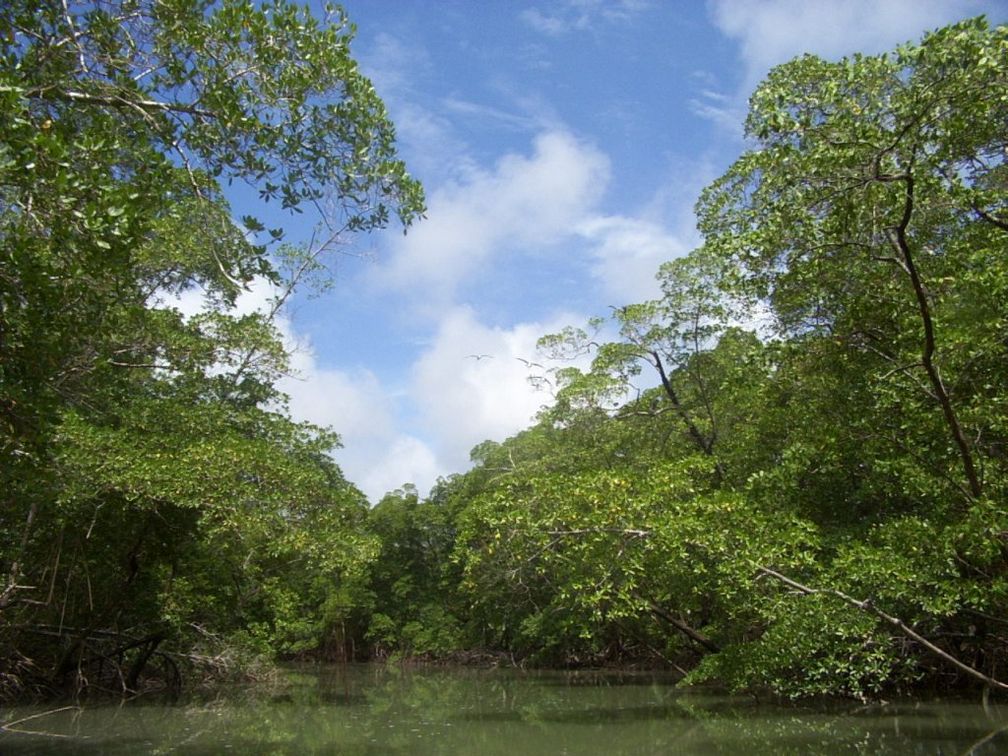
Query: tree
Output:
(124,115)
(869,218)
(674,336)
(872,212)
(144,453)
(825,513)
(411,578)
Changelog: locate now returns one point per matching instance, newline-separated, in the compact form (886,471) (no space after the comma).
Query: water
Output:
(369,709)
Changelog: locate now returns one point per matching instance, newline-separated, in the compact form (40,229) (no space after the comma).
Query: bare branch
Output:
(632,532)
(153,106)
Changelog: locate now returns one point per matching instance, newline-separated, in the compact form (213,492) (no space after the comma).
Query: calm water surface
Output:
(370,709)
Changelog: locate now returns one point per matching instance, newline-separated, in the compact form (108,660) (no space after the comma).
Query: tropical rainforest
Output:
(789,473)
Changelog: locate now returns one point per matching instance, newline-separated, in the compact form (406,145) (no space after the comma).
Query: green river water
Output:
(371,709)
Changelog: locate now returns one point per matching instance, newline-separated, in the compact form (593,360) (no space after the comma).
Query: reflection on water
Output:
(370,709)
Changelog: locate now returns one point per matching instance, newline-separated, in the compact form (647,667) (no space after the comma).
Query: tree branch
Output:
(866,605)
(690,632)
(590,531)
(670,391)
(706,445)
(991,218)
(155,106)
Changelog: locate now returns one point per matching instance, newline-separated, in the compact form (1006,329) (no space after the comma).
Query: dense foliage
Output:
(156,497)
(787,473)
(790,471)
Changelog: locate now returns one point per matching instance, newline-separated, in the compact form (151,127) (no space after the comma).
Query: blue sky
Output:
(562,145)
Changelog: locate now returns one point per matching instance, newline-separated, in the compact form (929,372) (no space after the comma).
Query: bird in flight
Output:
(479,357)
(528,363)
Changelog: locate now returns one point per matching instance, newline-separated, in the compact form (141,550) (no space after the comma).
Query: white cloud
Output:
(774,31)
(400,69)
(488,114)
(627,253)
(627,250)
(726,112)
(353,402)
(430,141)
(524,201)
(404,459)
(256,297)
(771,32)
(472,383)
(545,23)
(393,64)
(580,15)
(377,455)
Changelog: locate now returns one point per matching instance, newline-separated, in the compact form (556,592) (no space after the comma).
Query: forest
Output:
(789,473)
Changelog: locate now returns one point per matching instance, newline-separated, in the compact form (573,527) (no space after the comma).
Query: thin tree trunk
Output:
(150,644)
(706,445)
(7,595)
(902,245)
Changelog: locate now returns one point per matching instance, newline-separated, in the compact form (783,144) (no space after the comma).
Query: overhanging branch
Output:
(866,605)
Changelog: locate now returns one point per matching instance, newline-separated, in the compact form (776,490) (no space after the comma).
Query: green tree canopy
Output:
(152,484)
(808,495)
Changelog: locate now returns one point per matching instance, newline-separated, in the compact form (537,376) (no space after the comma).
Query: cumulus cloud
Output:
(627,253)
(773,31)
(403,459)
(353,402)
(377,454)
(532,200)
(472,383)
